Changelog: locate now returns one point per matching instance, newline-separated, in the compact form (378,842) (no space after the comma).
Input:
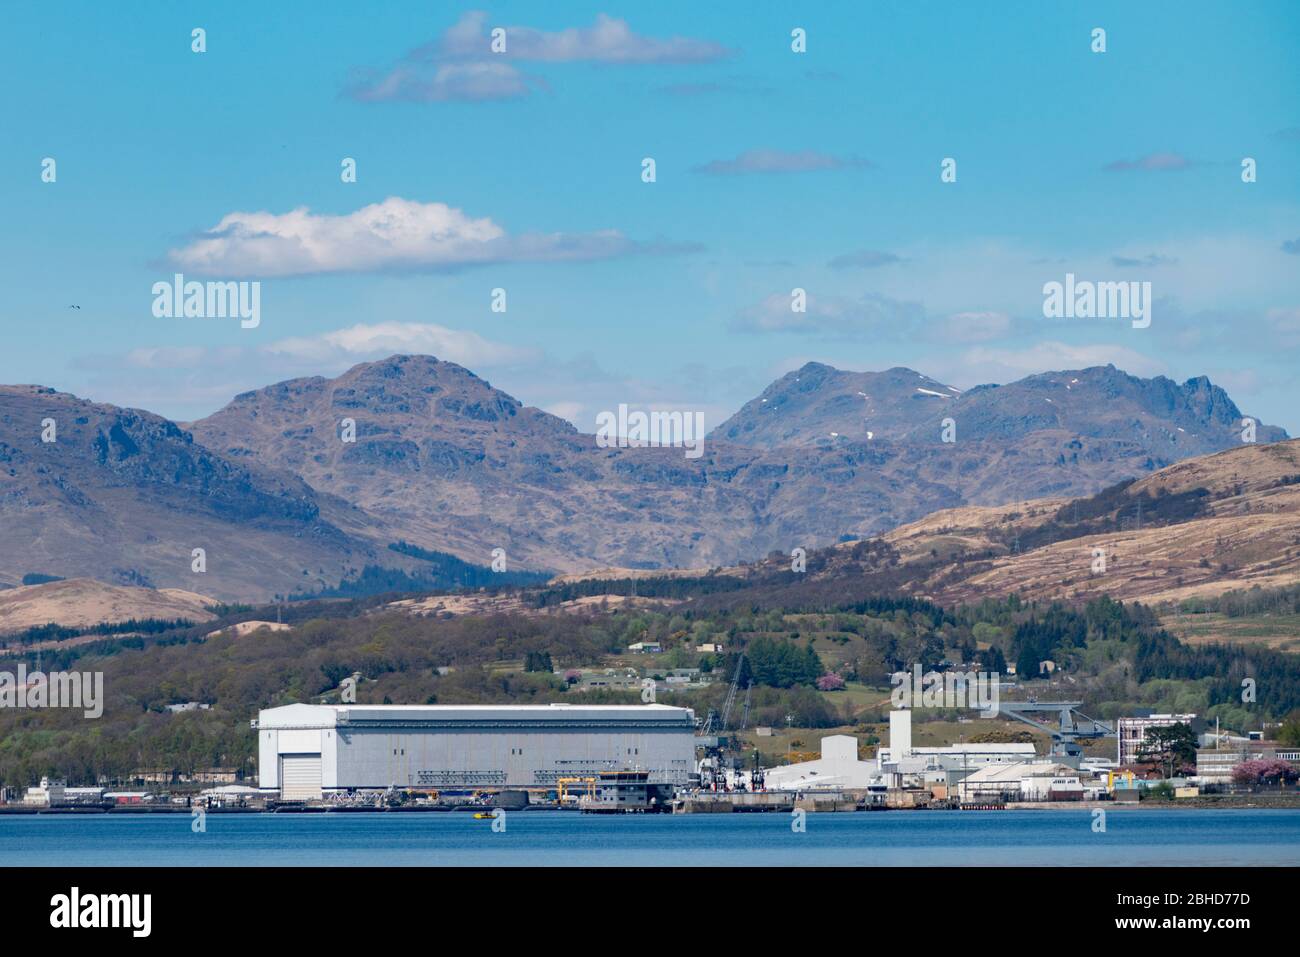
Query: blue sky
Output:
(522,170)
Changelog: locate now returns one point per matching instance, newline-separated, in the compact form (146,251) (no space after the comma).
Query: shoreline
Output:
(1289,803)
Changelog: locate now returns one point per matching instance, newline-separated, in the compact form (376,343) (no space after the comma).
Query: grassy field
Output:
(860,698)
(788,745)
(1278,632)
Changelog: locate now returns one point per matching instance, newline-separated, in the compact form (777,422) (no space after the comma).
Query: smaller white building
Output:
(1097,765)
(1029,781)
(228,795)
(1051,782)
(49,793)
(838,768)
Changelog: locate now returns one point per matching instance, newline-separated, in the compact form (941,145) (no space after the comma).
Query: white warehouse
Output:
(307,750)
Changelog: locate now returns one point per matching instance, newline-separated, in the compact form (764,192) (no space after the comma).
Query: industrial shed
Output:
(837,768)
(306,751)
(1028,781)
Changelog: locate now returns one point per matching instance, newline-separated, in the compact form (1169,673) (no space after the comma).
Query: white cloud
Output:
(567,410)
(361,342)
(607,40)
(462,66)
(449,81)
(328,352)
(395,235)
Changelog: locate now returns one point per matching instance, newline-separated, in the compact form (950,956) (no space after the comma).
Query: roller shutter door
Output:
(300,777)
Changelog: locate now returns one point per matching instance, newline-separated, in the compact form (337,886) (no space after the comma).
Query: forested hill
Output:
(1114,656)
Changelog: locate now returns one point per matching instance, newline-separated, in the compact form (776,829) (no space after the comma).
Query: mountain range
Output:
(280,503)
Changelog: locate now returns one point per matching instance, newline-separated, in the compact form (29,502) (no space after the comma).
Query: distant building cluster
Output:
(970,773)
(633,679)
(616,756)
(992,768)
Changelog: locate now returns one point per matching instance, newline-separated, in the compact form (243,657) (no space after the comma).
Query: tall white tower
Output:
(900,733)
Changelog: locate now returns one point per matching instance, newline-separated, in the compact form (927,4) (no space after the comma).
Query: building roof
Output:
(1016,772)
(472,715)
(1020,748)
(1173,718)
(1048,771)
(1240,746)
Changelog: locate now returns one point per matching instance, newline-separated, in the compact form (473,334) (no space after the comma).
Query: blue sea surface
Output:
(1133,838)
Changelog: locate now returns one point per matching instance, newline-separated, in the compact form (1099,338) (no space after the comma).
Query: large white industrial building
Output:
(896,764)
(838,768)
(306,751)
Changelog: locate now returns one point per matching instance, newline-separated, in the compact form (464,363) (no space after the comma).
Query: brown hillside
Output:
(81,602)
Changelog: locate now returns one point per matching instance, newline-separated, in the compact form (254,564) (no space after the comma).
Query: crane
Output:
(713,739)
(1071,725)
(731,692)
